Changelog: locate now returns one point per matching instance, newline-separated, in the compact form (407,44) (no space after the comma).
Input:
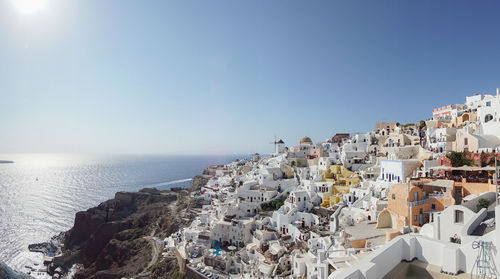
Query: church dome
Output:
(306,140)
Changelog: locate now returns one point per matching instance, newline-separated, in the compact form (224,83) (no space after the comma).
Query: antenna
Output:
(484,266)
(495,176)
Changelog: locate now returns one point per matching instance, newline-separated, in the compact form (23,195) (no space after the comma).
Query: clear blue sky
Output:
(196,77)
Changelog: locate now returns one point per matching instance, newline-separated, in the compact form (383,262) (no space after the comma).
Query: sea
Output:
(40,193)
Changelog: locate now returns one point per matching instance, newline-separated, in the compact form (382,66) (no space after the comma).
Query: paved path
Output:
(155,251)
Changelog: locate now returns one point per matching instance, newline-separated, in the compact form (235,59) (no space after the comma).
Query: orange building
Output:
(423,198)
(469,186)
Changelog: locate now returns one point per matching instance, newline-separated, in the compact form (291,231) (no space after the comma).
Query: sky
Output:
(226,77)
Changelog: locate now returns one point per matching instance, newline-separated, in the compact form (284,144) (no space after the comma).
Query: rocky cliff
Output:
(117,238)
(199,181)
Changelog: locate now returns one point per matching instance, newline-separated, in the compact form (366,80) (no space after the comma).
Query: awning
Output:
(489,168)
(441,168)
(441,183)
(463,168)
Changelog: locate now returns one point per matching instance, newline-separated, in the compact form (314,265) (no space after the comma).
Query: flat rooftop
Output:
(369,231)
(483,228)
(417,269)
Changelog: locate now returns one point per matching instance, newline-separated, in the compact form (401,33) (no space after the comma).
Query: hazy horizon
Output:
(8,154)
(226,77)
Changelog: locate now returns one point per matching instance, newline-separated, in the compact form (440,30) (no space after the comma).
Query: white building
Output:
(304,265)
(458,222)
(324,163)
(305,149)
(489,115)
(235,232)
(279,147)
(446,113)
(396,171)
(474,102)
(441,140)
(355,151)
(253,192)
(450,258)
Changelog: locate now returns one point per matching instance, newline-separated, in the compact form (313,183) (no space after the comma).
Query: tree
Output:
(422,124)
(482,158)
(483,203)
(459,159)
(492,159)
(274,204)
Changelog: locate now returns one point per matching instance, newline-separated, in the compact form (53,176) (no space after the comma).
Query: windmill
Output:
(275,143)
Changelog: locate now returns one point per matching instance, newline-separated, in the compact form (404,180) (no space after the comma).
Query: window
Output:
(433,206)
(466,141)
(488,104)
(488,118)
(393,196)
(459,216)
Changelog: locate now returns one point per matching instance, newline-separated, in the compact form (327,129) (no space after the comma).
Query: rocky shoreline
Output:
(47,248)
(122,237)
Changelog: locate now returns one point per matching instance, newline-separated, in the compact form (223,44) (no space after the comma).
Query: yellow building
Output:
(342,180)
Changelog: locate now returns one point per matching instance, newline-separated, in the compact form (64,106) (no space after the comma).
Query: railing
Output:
(477,180)
(437,196)
(417,203)
(468,179)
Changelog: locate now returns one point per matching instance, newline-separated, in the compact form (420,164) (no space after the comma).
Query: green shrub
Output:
(483,203)
(422,124)
(274,204)
(459,159)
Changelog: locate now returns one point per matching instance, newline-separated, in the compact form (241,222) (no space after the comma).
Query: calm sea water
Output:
(40,193)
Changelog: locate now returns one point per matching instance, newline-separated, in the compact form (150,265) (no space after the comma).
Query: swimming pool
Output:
(217,248)
(216,252)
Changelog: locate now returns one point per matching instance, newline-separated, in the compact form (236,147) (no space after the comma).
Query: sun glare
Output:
(29,6)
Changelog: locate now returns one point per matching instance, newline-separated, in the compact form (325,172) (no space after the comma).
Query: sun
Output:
(29,6)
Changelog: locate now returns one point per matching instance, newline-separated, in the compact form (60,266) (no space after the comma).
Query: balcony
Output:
(417,203)
(437,196)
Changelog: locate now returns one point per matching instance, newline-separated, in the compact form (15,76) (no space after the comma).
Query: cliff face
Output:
(114,239)
(198,182)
